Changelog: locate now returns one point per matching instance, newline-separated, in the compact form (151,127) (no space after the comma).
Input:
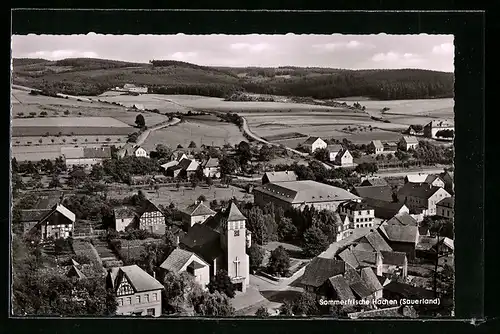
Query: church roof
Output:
(198,209)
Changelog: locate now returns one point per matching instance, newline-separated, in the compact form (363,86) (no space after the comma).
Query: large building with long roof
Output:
(299,194)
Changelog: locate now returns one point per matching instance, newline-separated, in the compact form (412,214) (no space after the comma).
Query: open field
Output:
(148,101)
(186,196)
(70,122)
(207,132)
(23,104)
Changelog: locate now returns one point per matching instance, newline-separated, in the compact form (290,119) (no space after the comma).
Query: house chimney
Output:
(177,242)
(154,274)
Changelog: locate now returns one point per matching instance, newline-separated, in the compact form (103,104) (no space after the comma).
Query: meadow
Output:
(202,131)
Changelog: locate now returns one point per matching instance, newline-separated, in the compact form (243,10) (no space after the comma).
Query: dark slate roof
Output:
(198,209)
(320,269)
(196,265)
(230,213)
(426,242)
(102,152)
(48,201)
(393,258)
(33,215)
(365,258)
(348,257)
(377,181)
(408,291)
(341,287)
(148,206)
(360,289)
(351,276)
(410,139)
(402,219)
(124,212)
(140,280)
(311,140)
(431,178)
(176,260)
(424,190)
(204,241)
(383,209)
(399,233)
(448,202)
(371,280)
(377,241)
(233,213)
(383,193)
(355,206)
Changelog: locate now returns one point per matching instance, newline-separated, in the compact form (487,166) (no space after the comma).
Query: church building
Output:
(221,241)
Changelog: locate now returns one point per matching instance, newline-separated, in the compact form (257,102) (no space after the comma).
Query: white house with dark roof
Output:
(376,147)
(283,176)
(299,194)
(196,213)
(124,216)
(333,151)
(314,143)
(343,158)
(56,223)
(181,260)
(132,150)
(360,214)
(150,218)
(446,207)
(408,142)
(137,292)
(421,197)
(211,168)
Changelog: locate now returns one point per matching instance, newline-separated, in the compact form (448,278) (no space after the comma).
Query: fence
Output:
(94,233)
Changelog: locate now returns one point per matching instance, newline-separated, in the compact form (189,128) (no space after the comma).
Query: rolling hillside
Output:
(86,76)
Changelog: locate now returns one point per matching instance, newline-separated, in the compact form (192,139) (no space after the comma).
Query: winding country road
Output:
(143,136)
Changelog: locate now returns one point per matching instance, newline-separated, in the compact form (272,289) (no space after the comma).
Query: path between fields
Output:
(143,136)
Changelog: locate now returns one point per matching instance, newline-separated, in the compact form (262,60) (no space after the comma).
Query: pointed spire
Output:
(233,213)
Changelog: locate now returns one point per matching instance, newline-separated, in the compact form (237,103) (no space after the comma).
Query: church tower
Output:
(233,242)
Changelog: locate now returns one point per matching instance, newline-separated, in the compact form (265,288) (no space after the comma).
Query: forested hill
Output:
(85,76)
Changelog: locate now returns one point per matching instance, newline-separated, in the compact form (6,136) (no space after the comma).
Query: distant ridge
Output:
(92,76)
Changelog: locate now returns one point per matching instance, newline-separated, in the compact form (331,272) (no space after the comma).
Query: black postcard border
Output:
(468,29)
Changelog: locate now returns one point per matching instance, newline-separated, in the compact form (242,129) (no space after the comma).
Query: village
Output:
(144,223)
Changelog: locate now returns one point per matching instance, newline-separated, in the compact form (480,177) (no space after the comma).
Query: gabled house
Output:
(435,180)
(431,129)
(416,178)
(402,219)
(376,147)
(390,147)
(84,156)
(446,207)
(124,216)
(30,217)
(211,168)
(132,150)
(56,223)
(196,213)
(181,260)
(401,238)
(373,182)
(333,151)
(413,130)
(271,177)
(137,292)
(383,193)
(408,143)
(314,143)
(384,262)
(344,158)
(385,209)
(318,271)
(344,228)
(421,197)
(187,166)
(360,214)
(448,180)
(150,218)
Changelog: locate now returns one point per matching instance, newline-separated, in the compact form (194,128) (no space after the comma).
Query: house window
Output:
(151,311)
(155,296)
(146,297)
(138,299)
(129,300)
(236,233)
(120,301)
